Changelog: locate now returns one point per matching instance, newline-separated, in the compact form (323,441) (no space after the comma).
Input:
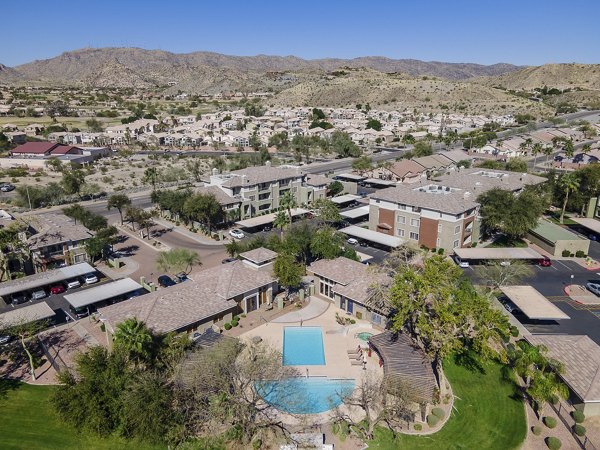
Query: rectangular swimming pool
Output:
(303,346)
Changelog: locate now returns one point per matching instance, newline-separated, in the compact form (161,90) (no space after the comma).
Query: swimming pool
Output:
(364,336)
(305,395)
(303,346)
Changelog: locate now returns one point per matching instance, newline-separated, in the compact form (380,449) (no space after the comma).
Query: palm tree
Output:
(536,149)
(586,148)
(568,182)
(288,201)
(281,221)
(528,358)
(548,150)
(178,260)
(134,337)
(569,148)
(118,201)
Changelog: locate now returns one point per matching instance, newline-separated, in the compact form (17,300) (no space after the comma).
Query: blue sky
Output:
(527,32)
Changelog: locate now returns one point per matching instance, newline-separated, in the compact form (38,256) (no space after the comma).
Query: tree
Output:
(568,182)
(342,144)
(318,114)
(516,165)
(328,212)
(151,176)
(55,164)
(204,208)
(335,188)
(496,274)
(94,125)
(279,140)
(178,260)
(12,248)
(288,202)
(327,243)
(118,201)
(442,313)
(194,167)
(281,221)
(25,330)
(362,164)
(408,139)
(569,148)
(545,386)
(254,141)
(76,212)
(288,271)
(72,181)
(512,215)
(133,215)
(422,148)
(374,124)
(134,337)
(536,149)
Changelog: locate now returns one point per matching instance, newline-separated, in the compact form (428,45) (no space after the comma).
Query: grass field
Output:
(486,416)
(29,422)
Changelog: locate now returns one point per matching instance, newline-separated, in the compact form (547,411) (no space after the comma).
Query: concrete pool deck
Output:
(315,308)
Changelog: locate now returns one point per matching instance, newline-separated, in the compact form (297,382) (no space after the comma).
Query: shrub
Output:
(579,253)
(554,400)
(227,326)
(417,427)
(537,430)
(514,331)
(553,443)
(256,444)
(438,412)
(243,315)
(432,421)
(102,327)
(352,321)
(440,251)
(572,255)
(433,250)
(550,422)
(235,323)
(579,429)
(566,253)
(578,416)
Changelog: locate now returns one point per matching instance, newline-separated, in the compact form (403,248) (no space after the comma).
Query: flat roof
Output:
(373,236)
(553,233)
(356,212)
(346,198)
(26,314)
(590,224)
(533,304)
(266,219)
(364,257)
(44,278)
(497,253)
(350,176)
(380,181)
(104,291)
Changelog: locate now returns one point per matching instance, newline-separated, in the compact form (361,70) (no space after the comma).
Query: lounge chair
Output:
(357,362)
(355,356)
(354,351)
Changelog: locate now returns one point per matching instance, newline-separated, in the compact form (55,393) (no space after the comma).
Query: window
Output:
(455,244)
(252,198)
(401,219)
(415,222)
(414,236)
(402,207)
(437,242)
(439,227)
(400,233)
(457,229)
(376,318)
(326,288)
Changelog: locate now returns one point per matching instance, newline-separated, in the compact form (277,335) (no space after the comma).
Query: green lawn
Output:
(503,242)
(29,422)
(486,416)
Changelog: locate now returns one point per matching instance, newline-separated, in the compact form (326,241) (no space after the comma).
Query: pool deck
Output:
(337,339)
(315,308)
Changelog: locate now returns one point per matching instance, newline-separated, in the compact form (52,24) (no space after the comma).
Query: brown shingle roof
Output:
(220,195)
(259,255)
(318,180)
(54,228)
(451,202)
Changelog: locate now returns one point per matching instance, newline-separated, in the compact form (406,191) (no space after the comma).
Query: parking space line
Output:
(564,265)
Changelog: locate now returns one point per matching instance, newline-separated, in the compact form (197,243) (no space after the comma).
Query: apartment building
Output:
(440,213)
(260,189)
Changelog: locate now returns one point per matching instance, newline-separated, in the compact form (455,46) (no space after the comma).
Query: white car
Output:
(71,284)
(90,278)
(594,288)
(236,234)
(461,263)
(352,241)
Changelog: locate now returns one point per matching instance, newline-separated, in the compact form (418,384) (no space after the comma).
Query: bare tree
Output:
(25,330)
(381,399)
(503,274)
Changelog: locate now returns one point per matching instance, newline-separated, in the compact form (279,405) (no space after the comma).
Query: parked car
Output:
(593,287)
(19,298)
(5,339)
(236,234)
(57,289)
(510,306)
(72,284)
(165,281)
(352,241)
(7,187)
(545,262)
(81,311)
(38,294)
(181,277)
(267,228)
(228,260)
(90,278)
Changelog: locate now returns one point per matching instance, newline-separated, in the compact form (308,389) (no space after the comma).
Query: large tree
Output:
(288,271)
(134,338)
(342,144)
(328,212)
(12,247)
(362,164)
(568,183)
(178,260)
(496,274)
(72,181)
(118,201)
(25,330)
(203,208)
(288,202)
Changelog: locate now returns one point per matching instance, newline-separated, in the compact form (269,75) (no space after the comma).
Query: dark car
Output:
(19,298)
(228,260)
(165,281)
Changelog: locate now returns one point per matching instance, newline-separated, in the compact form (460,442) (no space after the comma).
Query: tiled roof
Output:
(220,195)
(190,302)
(451,202)
(35,147)
(581,358)
(406,166)
(54,228)
(479,180)
(341,270)
(259,255)
(318,180)
(262,174)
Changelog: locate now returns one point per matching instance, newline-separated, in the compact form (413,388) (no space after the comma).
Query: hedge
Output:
(550,422)
(438,412)
(578,416)
(579,430)
(536,429)
(432,420)
(553,443)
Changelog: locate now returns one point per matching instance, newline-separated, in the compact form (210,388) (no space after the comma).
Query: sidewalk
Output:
(187,233)
(581,295)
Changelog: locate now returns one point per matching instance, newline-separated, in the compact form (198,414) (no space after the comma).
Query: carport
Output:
(349,177)
(267,218)
(346,198)
(103,292)
(372,236)
(356,212)
(25,315)
(43,279)
(379,182)
(591,224)
(503,254)
(533,304)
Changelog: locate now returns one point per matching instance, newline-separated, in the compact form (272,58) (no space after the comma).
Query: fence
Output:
(564,415)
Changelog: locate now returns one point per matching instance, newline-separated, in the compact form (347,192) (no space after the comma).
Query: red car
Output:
(545,262)
(58,289)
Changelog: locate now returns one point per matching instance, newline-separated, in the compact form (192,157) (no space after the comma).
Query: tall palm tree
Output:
(536,149)
(568,182)
(178,260)
(281,221)
(569,148)
(288,202)
(548,150)
(528,358)
(134,337)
